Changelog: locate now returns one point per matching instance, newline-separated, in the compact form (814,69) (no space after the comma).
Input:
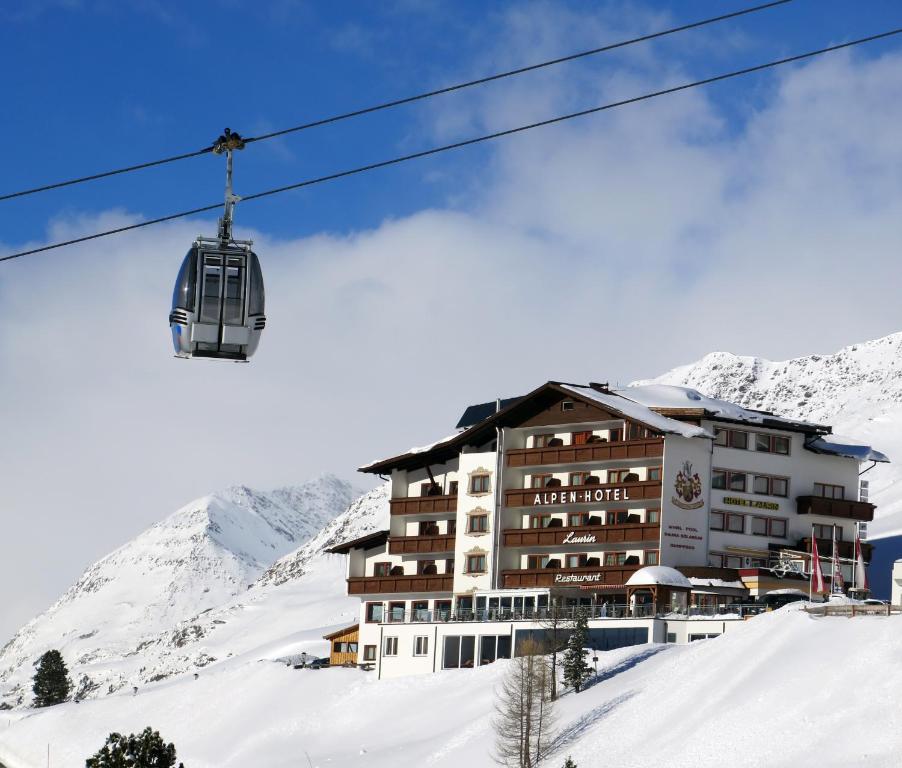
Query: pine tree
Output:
(569,763)
(51,680)
(148,750)
(576,668)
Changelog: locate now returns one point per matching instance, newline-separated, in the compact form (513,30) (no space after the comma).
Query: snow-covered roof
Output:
(633,409)
(840,445)
(666,396)
(720,583)
(661,575)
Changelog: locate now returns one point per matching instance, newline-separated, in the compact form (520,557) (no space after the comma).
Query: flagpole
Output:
(811,563)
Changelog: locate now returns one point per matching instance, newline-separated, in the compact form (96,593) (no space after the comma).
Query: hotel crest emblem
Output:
(688,487)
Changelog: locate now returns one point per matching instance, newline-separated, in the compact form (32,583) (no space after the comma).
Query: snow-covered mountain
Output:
(197,559)
(857,390)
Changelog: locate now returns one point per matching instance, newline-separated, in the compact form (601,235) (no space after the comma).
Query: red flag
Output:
(818,586)
(861,575)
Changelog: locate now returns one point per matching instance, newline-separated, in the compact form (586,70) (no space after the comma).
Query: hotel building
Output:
(652,508)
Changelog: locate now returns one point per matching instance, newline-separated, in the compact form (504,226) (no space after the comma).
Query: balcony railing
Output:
(378,585)
(818,505)
(584,494)
(423,505)
(586,535)
(844,549)
(605,575)
(593,613)
(419,545)
(588,452)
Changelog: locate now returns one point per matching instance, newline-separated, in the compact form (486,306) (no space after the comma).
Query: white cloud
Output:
(610,248)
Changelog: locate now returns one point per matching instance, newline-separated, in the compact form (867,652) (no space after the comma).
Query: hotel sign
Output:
(579,538)
(587,496)
(579,578)
(754,503)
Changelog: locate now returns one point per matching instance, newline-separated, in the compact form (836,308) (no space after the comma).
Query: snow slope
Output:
(857,390)
(785,689)
(195,560)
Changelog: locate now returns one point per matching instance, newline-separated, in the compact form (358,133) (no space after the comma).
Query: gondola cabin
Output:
(218,301)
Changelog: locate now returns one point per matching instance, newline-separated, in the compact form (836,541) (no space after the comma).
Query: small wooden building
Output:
(343,646)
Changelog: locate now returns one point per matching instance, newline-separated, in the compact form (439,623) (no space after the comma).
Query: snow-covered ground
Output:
(786,689)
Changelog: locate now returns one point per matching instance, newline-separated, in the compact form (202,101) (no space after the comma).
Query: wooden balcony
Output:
(586,535)
(423,505)
(853,510)
(612,575)
(588,452)
(379,585)
(419,545)
(584,494)
(844,549)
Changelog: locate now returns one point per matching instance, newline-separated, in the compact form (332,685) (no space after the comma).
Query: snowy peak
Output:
(196,559)
(857,391)
(367,514)
(816,387)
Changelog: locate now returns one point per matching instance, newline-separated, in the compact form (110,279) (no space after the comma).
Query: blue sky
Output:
(103,83)
(761,216)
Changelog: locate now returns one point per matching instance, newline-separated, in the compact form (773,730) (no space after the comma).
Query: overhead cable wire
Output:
(400,102)
(469,142)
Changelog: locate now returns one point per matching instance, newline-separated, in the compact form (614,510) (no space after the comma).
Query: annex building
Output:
(654,509)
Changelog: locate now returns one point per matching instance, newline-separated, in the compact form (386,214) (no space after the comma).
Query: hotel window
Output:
(533,562)
(426,568)
(577,560)
(768,526)
(724,479)
(374,612)
(731,438)
(443,607)
(637,431)
(452,487)
(479,483)
(576,519)
(652,515)
(723,560)
(449,565)
(475,563)
(617,475)
(577,478)
(736,523)
(614,558)
(617,516)
(421,645)
(477,523)
(718,521)
(580,438)
(391,646)
(396,611)
(452,527)
(771,486)
(654,473)
(616,435)
(381,569)
(430,489)
(369,653)
(539,521)
(826,532)
(829,491)
(651,557)
(772,444)
(540,481)
(541,441)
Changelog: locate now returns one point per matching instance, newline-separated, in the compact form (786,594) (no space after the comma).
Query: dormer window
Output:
(567,405)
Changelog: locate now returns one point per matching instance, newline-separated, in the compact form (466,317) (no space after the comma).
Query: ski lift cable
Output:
(400,102)
(467,142)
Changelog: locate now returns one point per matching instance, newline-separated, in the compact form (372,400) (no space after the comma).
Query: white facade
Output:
(559,498)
